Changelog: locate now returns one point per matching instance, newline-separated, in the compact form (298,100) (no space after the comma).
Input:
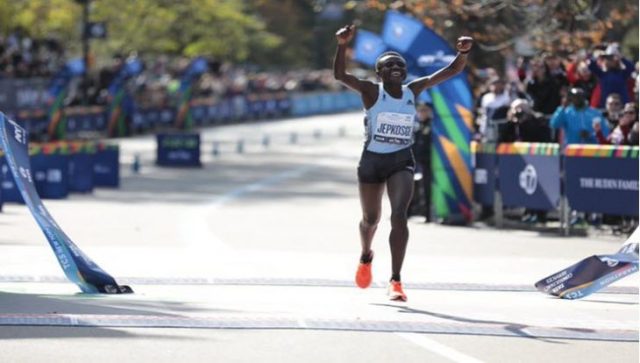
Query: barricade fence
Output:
(542,177)
(99,121)
(59,168)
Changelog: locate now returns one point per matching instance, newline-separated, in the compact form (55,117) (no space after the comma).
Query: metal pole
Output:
(85,51)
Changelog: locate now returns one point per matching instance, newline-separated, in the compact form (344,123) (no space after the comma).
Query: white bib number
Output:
(394,128)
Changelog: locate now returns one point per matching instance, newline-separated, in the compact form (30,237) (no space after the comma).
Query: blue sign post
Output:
(77,266)
(178,150)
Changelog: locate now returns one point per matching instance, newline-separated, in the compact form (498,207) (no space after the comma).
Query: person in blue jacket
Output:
(577,119)
(613,75)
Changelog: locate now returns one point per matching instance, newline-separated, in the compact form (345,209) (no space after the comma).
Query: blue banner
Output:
(368,46)
(1,179)
(50,175)
(77,266)
(81,172)
(530,181)
(106,166)
(484,177)
(178,150)
(602,185)
(10,192)
(593,273)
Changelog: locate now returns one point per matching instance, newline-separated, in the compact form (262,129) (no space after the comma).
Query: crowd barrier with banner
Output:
(597,178)
(602,179)
(60,168)
(77,266)
(94,121)
(529,175)
(484,173)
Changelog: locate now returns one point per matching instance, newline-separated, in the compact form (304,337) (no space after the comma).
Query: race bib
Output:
(394,128)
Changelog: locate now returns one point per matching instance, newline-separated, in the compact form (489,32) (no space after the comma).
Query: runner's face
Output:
(392,69)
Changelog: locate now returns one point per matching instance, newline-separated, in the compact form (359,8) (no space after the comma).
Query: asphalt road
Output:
(251,258)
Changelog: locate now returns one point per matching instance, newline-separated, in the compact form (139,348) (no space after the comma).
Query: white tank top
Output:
(390,122)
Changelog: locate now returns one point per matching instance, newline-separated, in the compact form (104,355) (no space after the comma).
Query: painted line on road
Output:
(296,323)
(448,286)
(438,348)
(193,227)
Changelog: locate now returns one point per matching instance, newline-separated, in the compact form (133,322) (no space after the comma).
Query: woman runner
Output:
(387,159)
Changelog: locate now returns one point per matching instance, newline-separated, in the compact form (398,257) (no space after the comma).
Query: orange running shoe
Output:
(363,274)
(395,291)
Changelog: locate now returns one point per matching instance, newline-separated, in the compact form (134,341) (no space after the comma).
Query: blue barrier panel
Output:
(81,166)
(50,171)
(484,173)
(106,166)
(10,192)
(178,149)
(602,179)
(1,179)
(529,175)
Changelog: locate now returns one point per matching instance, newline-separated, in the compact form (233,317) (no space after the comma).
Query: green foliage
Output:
(219,28)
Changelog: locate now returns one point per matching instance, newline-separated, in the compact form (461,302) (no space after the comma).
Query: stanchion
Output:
(240,146)
(135,167)
(216,149)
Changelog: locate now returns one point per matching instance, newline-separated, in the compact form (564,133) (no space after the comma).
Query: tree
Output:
(549,25)
(223,29)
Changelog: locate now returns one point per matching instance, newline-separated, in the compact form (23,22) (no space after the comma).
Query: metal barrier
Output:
(540,176)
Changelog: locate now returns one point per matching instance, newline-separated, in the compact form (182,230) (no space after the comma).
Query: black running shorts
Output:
(376,168)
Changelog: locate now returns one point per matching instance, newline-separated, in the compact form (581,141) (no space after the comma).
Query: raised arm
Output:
(364,87)
(463,46)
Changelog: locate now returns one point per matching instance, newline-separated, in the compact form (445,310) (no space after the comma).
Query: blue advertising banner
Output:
(1,179)
(529,180)
(106,166)
(10,192)
(77,266)
(602,179)
(593,273)
(50,175)
(368,46)
(178,150)
(80,119)
(81,172)
(484,173)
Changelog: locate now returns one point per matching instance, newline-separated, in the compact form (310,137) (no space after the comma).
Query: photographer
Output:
(523,125)
(576,119)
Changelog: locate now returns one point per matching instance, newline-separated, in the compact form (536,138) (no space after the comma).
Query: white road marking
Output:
(193,227)
(438,348)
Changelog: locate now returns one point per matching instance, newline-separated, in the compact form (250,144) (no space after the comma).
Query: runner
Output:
(387,159)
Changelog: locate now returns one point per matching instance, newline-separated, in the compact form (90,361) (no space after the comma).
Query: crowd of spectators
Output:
(22,56)
(586,97)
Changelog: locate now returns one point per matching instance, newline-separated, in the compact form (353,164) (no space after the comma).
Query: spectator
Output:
(613,75)
(613,109)
(421,203)
(543,88)
(493,106)
(579,75)
(524,125)
(577,120)
(621,135)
